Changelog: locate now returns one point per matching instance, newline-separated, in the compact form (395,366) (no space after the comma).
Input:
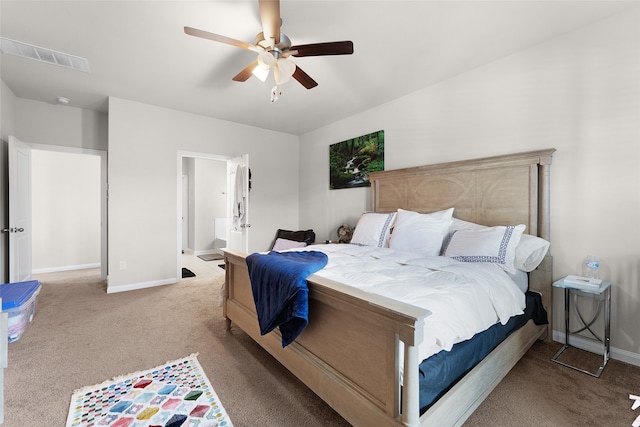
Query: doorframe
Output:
(179,173)
(185,212)
(104,195)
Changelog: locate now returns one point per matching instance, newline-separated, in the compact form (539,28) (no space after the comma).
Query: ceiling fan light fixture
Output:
(266,60)
(279,76)
(261,73)
(283,70)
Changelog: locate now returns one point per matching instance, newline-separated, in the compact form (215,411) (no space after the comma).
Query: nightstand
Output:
(603,296)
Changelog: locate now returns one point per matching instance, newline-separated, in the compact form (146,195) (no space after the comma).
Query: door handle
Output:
(245,225)
(13,230)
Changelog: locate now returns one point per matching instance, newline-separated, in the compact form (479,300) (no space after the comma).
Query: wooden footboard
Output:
(349,354)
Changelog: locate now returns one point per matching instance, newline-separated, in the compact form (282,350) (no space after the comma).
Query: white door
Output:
(238,203)
(19,211)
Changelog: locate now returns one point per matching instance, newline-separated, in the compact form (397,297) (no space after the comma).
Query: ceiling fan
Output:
(274,49)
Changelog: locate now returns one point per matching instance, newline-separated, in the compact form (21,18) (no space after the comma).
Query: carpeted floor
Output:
(538,392)
(81,335)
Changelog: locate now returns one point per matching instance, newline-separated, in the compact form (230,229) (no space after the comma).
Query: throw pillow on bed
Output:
(420,233)
(284,244)
(494,245)
(373,229)
(530,251)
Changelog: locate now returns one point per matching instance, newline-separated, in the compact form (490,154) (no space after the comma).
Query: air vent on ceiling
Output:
(37,53)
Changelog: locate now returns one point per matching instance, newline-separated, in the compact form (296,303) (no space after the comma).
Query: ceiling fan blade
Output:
(321,49)
(270,16)
(304,78)
(218,38)
(247,72)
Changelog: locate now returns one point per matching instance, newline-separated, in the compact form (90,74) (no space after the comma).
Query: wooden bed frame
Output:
(349,355)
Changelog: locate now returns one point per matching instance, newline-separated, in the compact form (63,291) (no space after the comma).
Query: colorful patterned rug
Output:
(176,394)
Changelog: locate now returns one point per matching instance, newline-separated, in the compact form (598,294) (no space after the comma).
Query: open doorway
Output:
(202,212)
(68,209)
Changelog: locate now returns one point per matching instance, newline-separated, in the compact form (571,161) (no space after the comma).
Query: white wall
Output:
(142,162)
(143,146)
(65,211)
(43,123)
(7,112)
(578,93)
(61,128)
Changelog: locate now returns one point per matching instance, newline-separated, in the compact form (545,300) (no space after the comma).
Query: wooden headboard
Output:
(502,190)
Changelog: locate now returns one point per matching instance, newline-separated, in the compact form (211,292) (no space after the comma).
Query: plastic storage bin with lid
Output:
(19,302)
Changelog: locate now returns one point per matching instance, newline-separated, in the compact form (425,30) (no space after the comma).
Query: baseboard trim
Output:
(143,285)
(596,347)
(64,268)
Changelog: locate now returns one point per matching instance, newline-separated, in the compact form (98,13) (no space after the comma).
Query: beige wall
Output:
(144,142)
(578,93)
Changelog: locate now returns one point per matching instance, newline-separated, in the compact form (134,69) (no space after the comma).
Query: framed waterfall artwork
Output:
(351,161)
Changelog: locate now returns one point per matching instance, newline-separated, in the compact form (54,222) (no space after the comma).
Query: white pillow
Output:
(458,224)
(521,279)
(529,253)
(373,229)
(444,214)
(284,244)
(420,233)
(495,245)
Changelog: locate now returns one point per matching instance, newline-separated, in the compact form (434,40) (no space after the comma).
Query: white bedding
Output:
(464,298)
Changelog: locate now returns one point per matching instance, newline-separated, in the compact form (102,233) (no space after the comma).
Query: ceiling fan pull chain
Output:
(275,93)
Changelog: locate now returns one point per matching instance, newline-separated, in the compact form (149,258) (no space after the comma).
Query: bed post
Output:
(410,379)
(544,231)
(542,276)
(225,292)
(544,197)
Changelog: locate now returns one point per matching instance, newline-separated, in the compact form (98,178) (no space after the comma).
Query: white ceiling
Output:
(137,50)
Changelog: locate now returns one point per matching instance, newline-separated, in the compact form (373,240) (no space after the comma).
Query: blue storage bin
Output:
(19,301)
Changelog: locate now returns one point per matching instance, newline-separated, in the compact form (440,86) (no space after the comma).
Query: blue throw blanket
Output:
(279,285)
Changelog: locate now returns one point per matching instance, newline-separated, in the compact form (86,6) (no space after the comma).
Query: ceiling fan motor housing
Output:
(282,47)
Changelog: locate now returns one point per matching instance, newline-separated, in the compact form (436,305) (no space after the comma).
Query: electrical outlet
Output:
(123,265)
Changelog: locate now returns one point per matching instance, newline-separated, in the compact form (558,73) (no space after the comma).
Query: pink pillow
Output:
(284,244)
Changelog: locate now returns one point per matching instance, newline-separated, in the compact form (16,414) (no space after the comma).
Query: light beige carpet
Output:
(81,335)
